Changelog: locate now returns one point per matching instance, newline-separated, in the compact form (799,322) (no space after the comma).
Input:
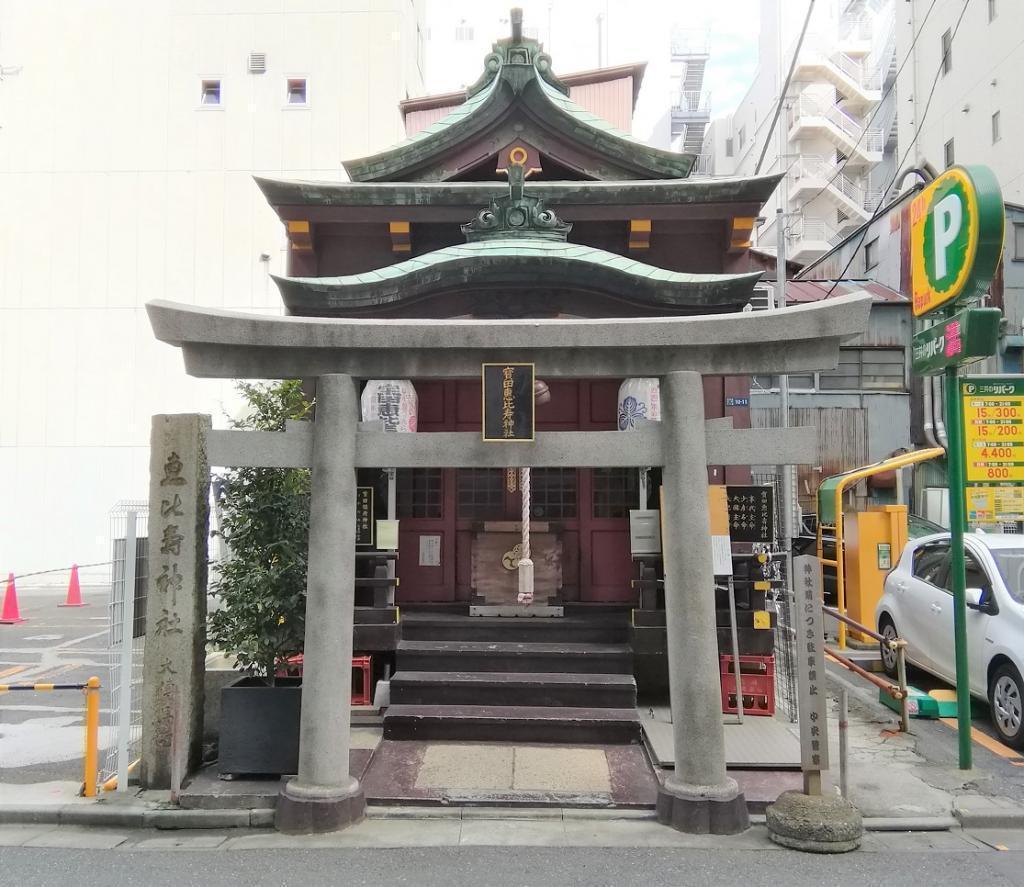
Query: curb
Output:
(1008,819)
(137,816)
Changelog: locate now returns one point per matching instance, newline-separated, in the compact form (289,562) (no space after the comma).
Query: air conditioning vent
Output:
(760,299)
(257,62)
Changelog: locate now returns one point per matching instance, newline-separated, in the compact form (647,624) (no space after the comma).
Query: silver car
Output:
(917,605)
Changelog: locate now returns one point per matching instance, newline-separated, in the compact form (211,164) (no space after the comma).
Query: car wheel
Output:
(887,630)
(1006,699)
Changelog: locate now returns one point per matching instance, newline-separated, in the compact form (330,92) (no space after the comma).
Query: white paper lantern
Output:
(391,401)
(639,403)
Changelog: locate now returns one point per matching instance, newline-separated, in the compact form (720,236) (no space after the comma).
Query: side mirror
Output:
(973,599)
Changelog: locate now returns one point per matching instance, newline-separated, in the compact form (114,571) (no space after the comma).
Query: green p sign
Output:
(956,236)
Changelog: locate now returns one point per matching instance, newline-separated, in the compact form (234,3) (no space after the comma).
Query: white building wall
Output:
(816,214)
(118,187)
(987,76)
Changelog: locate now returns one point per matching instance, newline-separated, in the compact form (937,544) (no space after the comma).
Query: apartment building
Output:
(835,138)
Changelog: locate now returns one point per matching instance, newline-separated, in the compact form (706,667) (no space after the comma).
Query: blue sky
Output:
(732,27)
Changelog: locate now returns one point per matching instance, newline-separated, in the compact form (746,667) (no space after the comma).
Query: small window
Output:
(615,492)
(931,562)
(947,52)
(949,154)
(743,135)
(1018,242)
(866,369)
(995,128)
(297,91)
(419,493)
(871,254)
(728,148)
(210,93)
(464,33)
(991,10)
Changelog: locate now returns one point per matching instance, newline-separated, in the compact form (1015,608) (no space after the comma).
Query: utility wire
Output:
(878,108)
(785,88)
(919,124)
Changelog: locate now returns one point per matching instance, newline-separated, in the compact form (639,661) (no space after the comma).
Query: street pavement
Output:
(41,733)
(407,857)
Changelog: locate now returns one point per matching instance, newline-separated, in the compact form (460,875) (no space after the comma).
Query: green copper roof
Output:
(517,264)
(682,192)
(518,78)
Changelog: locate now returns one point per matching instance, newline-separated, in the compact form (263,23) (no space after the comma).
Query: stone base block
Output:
(703,810)
(814,823)
(301,814)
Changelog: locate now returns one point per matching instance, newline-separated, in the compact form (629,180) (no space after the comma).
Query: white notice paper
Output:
(430,551)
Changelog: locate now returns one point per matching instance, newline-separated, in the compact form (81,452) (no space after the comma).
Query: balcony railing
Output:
(870,141)
(693,100)
(831,176)
(701,165)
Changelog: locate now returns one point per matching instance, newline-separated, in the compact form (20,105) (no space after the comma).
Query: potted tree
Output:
(258,612)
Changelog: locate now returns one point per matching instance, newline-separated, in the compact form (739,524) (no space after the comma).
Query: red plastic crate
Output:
(361,673)
(361,680)
(754,665)
(757,677)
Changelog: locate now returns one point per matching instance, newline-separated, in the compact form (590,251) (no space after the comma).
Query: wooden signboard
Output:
(364,517)
(508,403)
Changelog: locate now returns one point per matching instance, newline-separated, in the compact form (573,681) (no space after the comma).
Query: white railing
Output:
(701,165)
(856,28)
(693,100)
(870,141)
(829,174)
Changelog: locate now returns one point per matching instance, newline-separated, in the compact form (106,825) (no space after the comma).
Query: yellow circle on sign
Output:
(925,296)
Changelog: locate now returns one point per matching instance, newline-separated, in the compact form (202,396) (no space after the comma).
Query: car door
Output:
(918,592)
(944,644)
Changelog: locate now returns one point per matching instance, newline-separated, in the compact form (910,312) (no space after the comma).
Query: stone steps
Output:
(538,689)
(519,723)
(514,656)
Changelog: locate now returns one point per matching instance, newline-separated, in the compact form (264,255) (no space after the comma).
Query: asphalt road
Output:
(500,866)
(41,733)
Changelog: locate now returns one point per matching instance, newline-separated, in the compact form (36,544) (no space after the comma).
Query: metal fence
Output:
(127,636)
(786,694)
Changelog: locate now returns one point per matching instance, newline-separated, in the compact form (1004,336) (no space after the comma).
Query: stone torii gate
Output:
(698,796)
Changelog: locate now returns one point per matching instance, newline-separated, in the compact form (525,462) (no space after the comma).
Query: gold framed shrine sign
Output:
(508,401)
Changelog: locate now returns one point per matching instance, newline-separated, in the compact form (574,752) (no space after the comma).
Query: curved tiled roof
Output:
(517,263)
(518,76)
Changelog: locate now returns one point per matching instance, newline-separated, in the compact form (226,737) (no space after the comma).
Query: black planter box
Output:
(259,727)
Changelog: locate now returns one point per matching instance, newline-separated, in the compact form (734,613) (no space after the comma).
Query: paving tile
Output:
(181,841)
(999,838)
(69,837)
(457,765)
(582,833)
(369,833)
(366,737)
(16,835)
(561,769)
(530,833)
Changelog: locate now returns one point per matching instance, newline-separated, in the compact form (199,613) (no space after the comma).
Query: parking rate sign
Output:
(956,237)
(993,429)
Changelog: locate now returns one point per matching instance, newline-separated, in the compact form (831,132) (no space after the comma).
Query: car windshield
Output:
(1011,566)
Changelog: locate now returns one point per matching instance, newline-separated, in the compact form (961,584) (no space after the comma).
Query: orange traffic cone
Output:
(10,614)
(74,591)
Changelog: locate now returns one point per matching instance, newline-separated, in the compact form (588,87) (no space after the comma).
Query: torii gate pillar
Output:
(698,797)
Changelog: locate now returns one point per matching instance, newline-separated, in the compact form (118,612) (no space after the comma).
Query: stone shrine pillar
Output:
(324,796)
(698,797)
(173,673)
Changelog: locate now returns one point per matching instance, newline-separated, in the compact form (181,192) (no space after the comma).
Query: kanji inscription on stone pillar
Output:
(172,694)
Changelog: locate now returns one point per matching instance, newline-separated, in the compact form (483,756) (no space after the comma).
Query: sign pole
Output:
(957,525)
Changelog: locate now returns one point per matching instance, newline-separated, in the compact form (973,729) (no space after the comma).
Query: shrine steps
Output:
(519,723)
(536,690)
(514,656)
(567,680)
(577,630)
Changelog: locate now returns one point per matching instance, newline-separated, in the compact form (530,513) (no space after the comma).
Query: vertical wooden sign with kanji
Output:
(179,516)
(810,672)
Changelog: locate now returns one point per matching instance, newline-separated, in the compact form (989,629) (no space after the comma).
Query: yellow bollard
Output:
(92,735)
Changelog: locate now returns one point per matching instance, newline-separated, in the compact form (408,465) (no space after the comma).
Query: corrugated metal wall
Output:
(842,442)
